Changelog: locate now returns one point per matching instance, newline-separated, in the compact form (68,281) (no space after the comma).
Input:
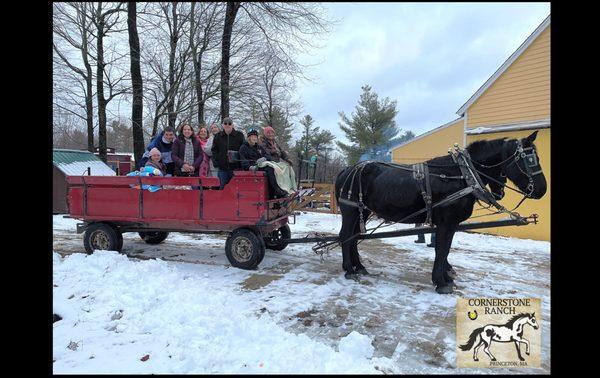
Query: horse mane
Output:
(485,149)
(512,320)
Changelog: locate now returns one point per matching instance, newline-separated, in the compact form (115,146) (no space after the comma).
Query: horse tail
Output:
(472,339)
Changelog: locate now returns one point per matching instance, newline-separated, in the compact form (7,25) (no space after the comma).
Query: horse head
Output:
(532,322)
(524,168)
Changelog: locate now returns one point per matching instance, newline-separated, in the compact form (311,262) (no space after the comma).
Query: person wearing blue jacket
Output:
(164,143)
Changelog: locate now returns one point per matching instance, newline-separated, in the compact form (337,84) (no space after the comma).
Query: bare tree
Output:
(230,14)
(104,20)
(286,27)
(66,130)
(165,77)
(137,109)
(204,38)
(72,26)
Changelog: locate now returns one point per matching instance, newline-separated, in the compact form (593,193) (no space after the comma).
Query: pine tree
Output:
(283,128)
(303,144)
(372,125)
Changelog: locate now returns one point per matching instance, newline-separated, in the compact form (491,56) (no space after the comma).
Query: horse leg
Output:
(487,351)
(349,218)
(519,350)
(354,256)
(477,348)
(526,342)
(485,342)
(444,235)
(449,272)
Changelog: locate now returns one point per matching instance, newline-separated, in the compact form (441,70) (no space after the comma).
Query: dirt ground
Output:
(395,305)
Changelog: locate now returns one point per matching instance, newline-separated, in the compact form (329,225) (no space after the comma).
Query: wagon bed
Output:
(242,202)
(112,205)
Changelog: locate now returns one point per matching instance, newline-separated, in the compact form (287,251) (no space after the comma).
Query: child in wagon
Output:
(155,161)
(155,167)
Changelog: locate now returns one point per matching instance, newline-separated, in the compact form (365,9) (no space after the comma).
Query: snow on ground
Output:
(179,307)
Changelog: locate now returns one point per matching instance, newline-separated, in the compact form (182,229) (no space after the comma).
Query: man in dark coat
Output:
(252,154)
(164,143)
(226,140)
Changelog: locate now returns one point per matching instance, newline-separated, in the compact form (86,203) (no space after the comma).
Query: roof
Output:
(427,133)
(505,65)
(76,163)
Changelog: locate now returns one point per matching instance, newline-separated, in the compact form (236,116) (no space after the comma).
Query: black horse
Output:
(393,194)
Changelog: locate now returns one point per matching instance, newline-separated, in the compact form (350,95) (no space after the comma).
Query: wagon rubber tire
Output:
(244,249)
(262,251)
(273,240)
(119,238)
(153,237)
(103,237)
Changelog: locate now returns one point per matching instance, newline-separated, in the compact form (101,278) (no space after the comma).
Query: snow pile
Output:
(125,316)
(64,224)
(356,345)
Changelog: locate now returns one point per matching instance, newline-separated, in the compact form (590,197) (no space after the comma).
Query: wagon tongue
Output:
(303,192)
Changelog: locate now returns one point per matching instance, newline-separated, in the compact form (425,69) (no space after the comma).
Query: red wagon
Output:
(112,205)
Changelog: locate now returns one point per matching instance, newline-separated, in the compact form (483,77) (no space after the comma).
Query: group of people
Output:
(214,153)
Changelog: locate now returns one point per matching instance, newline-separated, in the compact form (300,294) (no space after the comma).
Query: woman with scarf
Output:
(214,130)
(186,152)
(203,139)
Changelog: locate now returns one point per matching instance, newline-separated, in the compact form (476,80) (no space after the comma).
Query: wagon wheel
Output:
(153,237)
(274,239)
(244,249)
(101,236)
(119,238)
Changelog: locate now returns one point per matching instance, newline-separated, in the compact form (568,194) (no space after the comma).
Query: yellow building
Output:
(513,102)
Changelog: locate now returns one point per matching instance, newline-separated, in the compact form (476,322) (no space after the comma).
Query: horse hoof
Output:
(445,289)
(362,271)
(350,276)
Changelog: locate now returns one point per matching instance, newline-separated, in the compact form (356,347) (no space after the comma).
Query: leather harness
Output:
(422,176)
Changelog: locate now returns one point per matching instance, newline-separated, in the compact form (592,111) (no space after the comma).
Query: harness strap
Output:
(472,178)
(427,198)
(421,175)
(356,170)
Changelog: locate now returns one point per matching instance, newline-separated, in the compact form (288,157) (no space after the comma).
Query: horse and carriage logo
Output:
(510,326)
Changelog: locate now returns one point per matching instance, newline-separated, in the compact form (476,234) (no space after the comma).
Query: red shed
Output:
(120,162)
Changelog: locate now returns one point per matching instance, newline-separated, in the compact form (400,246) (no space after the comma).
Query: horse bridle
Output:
(530,161)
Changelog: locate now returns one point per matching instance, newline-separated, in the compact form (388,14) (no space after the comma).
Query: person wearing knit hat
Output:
(155,160)
(274,152)
(286,178)
(252,155)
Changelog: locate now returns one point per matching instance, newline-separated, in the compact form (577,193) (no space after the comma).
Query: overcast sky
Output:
(429,57)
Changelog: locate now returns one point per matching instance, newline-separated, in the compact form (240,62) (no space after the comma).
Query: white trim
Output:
(427,133)
(505,65)
(489,129)
(465,130)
